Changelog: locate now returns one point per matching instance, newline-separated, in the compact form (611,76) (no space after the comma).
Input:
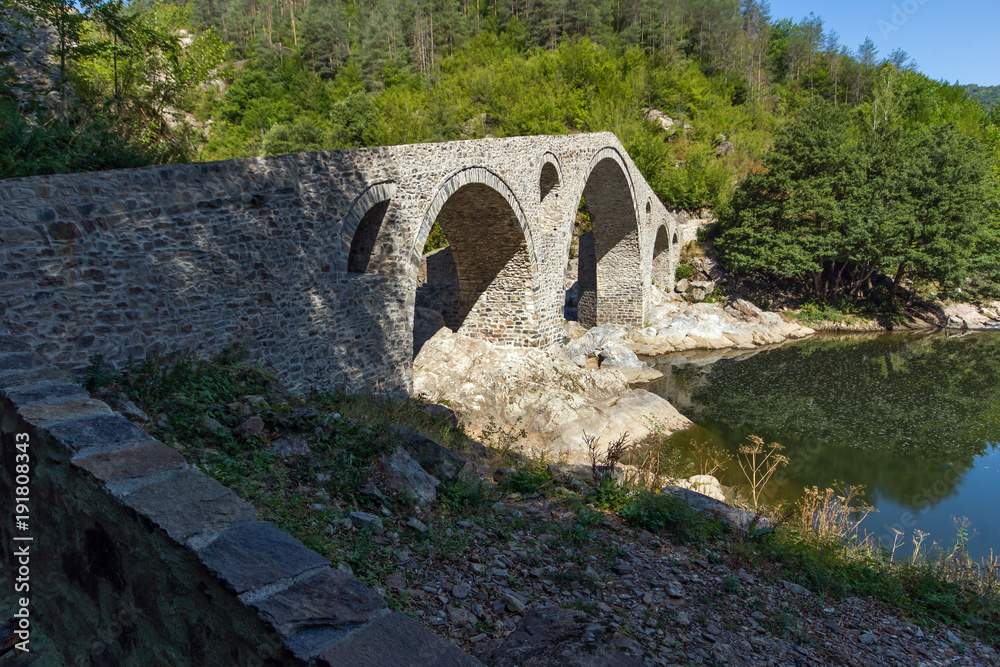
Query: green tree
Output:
(302,136)
(801,217)
(325,42)
(353,120)
(832,210)
(942,223)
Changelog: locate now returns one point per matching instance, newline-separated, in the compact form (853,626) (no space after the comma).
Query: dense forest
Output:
(791,137)
(988,96)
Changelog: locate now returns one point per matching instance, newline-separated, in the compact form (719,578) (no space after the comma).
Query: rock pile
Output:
(607,345)
(688,225)
(549,395)
(677,326)
(968,316)
(664,122)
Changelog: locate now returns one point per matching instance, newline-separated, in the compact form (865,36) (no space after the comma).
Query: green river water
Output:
(915,418)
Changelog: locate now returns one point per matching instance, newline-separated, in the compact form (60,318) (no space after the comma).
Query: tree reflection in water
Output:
(906,415)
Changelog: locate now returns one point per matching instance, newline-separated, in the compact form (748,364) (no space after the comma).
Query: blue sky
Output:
(949,39)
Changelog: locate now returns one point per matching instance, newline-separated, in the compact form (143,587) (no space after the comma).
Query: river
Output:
(914,418)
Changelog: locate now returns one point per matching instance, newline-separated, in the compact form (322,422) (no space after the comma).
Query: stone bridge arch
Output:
(312,260)
(662,270)
(610,276)
(491,247)
(550,178)
(365,228)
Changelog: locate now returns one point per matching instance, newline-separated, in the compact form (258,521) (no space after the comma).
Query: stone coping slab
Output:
(367,647)
(252,555)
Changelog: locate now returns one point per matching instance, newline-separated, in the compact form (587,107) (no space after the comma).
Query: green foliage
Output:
(30,149)
(581,531)
(436,239)
(730,584)
(610,495)
(466,496)
(841,203)
(97,373)
(303,135)
(528,480)
(814,313)
(944,588)
(324,42)
(353,119)
(684,271)
(988,96)
(657,512)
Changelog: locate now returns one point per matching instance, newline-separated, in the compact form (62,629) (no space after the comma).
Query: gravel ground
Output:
(666,604)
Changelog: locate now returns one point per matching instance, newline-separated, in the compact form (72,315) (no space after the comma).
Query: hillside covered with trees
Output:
(808,150)
(988,96)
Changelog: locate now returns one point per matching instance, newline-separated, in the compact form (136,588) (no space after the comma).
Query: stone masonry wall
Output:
(138,559)
(259,252)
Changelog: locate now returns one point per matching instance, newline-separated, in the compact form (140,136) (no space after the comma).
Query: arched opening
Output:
(661,259)
(548,180)
(359,259)
(609,283)
(366,226)
(481,284)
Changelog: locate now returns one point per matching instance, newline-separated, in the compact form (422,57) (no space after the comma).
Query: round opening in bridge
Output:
(649,207)
(481,283)
(548,181)
(661,259)
(359,260)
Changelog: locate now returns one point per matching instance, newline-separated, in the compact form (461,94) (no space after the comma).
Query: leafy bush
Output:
(610,495)
(466,495)
(29,149)
(581,531)
(528,480)
(302,136)
(657,512)
(684,271)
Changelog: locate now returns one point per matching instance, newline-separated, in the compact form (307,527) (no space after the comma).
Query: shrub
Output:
(657,512)
(684,271)
(466,495)
(528,480)
(610,495)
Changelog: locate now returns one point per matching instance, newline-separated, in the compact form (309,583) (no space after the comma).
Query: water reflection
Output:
(915,418)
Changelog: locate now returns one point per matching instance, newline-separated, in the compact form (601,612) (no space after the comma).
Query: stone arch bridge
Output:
(311,261)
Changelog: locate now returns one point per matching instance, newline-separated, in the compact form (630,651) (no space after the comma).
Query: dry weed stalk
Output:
(708,458)
(836,512)
(602,467)
(957,567)
(759,463)
(646,464)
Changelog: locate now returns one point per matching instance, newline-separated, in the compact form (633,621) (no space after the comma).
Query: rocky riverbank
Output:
(548,599)
(587,384)
(522,566)
(677,325)
(553,399)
